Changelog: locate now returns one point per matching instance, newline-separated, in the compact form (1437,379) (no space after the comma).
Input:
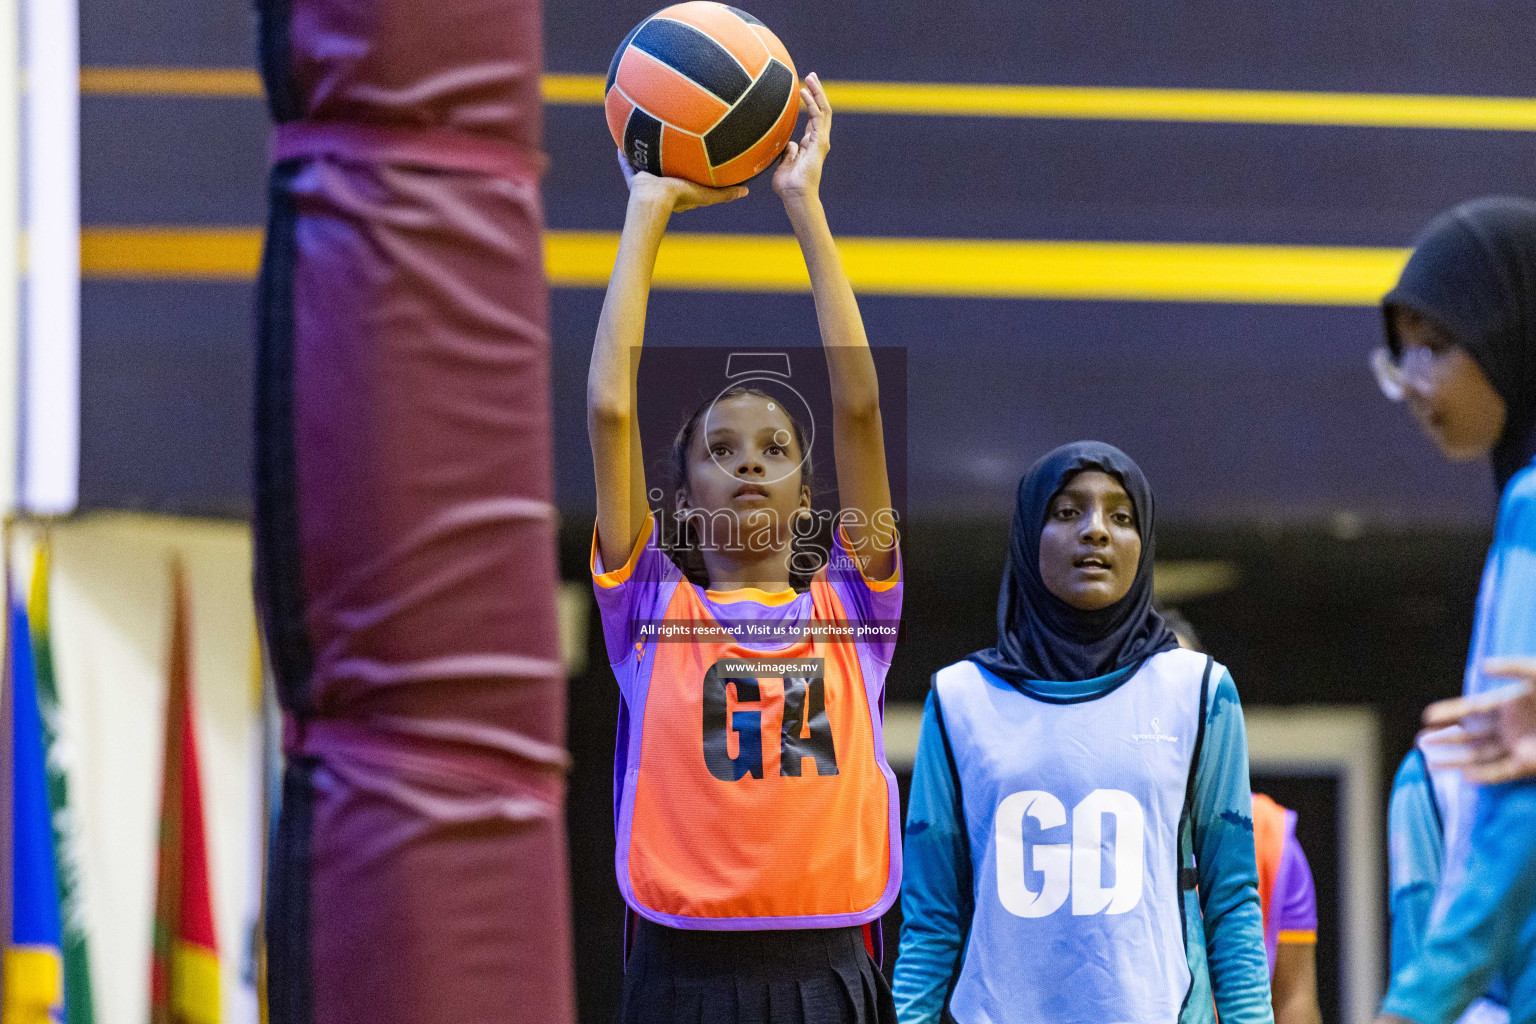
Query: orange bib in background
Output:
(1268,846)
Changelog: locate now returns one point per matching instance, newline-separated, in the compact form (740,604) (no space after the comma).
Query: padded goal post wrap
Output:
(405,535)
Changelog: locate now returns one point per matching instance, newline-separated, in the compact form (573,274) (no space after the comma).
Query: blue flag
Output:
(34,957)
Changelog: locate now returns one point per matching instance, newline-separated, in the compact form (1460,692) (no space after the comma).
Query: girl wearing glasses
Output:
(1461,353)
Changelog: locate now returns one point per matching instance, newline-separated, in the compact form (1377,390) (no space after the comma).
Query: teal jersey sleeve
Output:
(1482,922)
(1414,838)
(1489,924)
(1506,611)
(936,893)
(1228,876)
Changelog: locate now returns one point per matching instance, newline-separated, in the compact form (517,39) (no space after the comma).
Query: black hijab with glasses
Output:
(1473,274)
(1040,636)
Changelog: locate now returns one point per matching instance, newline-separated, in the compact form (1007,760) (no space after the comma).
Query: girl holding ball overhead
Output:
(1079,841)
(757,819)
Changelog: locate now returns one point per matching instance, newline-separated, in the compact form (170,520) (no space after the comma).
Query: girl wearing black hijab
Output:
(1461,352)
(1461,334)
(1079,845)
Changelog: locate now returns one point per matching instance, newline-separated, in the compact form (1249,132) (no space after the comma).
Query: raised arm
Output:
(612,425)
(858,439)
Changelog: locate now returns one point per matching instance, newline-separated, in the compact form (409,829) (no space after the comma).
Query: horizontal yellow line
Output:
(573,90)
(1115,271)
(1005,269)
(205,254)
(229,83)
(1231,106)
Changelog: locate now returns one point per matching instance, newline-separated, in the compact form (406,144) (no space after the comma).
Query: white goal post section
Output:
(1343,743)
(48,423)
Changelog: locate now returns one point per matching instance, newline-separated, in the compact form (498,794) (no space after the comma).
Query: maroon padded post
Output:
(405,533)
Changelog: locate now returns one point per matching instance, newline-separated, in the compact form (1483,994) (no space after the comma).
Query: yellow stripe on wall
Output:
(1231,106)
(1113,271)
(1305,275)
(229,83)
(170,253)
(573,90)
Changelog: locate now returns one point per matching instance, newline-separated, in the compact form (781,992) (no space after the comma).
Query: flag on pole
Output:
(34,957)
(184,975)
(247,1005)
(77,978)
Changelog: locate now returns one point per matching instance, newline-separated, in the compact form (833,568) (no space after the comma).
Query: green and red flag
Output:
(184,975)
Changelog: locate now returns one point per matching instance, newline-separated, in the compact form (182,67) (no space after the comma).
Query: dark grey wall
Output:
(1241,413)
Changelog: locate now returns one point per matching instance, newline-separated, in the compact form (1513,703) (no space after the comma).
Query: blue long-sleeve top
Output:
(1484,920)
(1415,836)
(938,899)
(1415,849)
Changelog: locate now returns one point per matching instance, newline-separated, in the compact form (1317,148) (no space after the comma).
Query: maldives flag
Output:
(184,975)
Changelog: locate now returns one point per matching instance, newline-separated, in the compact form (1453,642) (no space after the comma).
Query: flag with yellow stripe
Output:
(78,1003)
(184,977)
(33,951)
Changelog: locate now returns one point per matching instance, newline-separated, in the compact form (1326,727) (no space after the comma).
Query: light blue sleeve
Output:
(1507,602)
(1487,919)
(936,895)
(1486,926)
(1414,838)
(1224,859)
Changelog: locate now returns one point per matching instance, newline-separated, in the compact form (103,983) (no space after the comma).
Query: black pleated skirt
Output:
(809,976)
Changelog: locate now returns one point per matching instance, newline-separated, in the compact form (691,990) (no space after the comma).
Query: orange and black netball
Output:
(701,91)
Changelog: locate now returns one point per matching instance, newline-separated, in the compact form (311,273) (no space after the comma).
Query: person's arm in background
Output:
(1465,949)
(1224,859)
(1495,895)
(936,893)
(1414,838)
(1293,986)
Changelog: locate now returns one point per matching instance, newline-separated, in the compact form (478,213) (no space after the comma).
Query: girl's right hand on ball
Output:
(674,193)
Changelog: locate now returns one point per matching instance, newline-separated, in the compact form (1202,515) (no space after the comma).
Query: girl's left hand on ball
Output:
(675,194)
(798,175)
